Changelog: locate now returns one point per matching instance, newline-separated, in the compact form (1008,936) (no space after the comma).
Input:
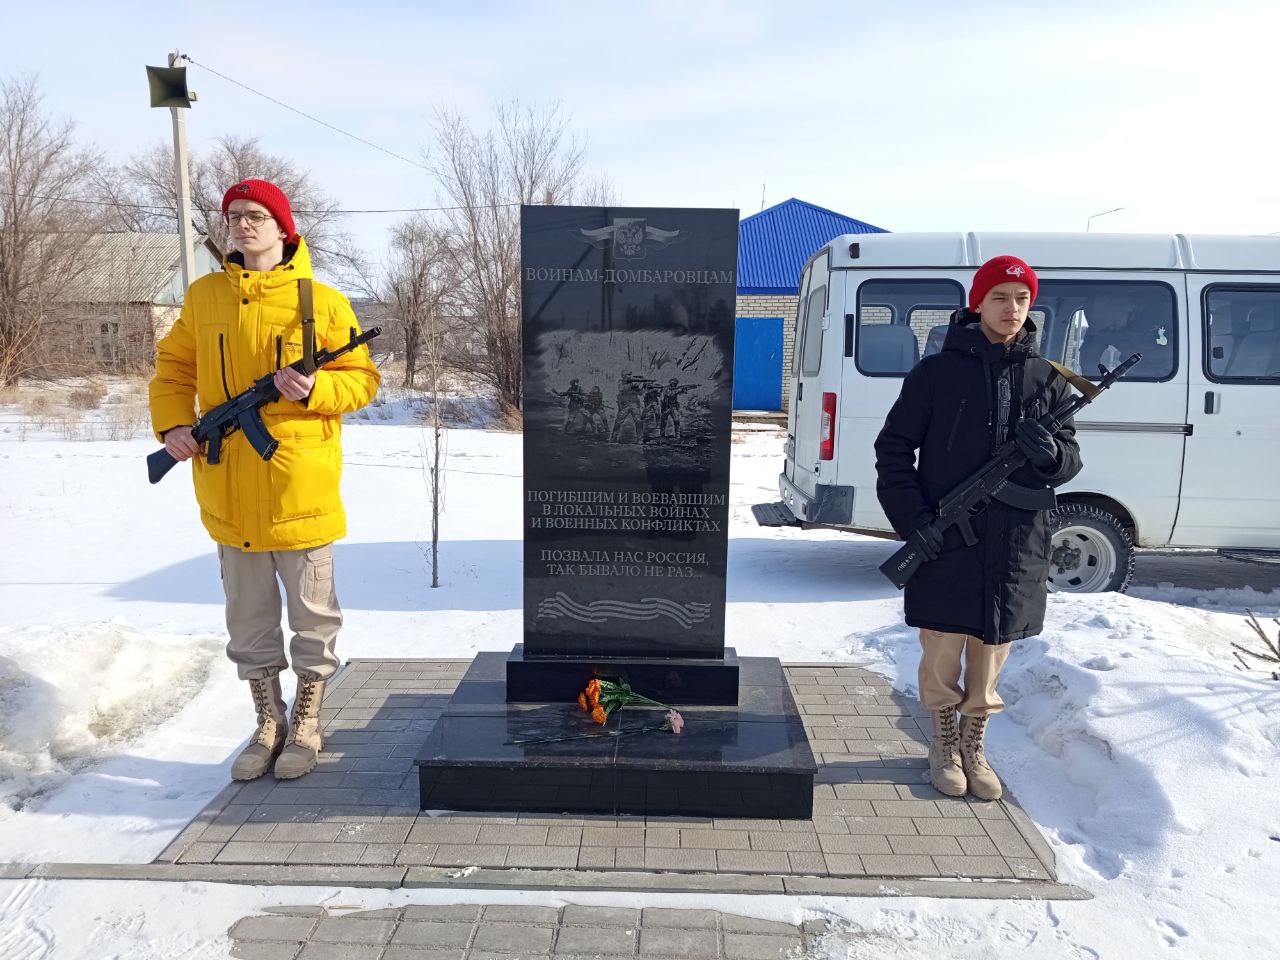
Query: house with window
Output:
(773,247)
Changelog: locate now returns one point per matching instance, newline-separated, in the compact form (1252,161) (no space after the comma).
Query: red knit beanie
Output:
(267,194)
(998,270)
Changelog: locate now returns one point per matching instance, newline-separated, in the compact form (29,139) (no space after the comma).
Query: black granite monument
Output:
(628,320)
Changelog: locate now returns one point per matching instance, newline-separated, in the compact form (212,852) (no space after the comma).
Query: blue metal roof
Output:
(775,244)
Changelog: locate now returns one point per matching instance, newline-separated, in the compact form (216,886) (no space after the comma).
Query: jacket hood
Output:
(295,266)
(964,335)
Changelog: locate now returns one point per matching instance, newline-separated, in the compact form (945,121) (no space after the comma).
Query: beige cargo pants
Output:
(256,641)
(940,670)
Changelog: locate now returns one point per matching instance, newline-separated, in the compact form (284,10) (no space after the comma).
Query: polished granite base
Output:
(535,678)
(748,760)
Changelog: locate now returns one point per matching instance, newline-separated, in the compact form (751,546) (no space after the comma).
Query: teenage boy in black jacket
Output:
(957,406)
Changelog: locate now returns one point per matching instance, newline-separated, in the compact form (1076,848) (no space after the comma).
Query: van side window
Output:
(899,321)
(1084,323)
(814,306)
(1241,334)
(797,339)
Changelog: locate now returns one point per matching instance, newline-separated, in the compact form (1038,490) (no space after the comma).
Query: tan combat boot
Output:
(304,743)
(983,782)
(270,735)
(944,754)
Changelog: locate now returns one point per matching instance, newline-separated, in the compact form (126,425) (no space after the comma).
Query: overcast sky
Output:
(909,115)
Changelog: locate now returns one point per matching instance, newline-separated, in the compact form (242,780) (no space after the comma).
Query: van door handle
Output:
(800,390)
(1210,402)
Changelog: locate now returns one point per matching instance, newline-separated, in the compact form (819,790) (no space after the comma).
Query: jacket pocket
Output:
(955,425)
(214,488)
(305,474)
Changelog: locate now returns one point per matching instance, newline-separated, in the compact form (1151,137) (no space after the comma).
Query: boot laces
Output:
(261,692)
(302,703)
(974,741)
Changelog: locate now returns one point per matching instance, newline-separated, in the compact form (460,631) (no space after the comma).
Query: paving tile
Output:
(366,832)
(578,915)
(312,832)
(742,946)
(353,930)
(518,913)
(446,912)
(855,843)
(518,938)
(879,825)
(564,836)
(544,858)
(244,852)
(438,935)
(657,941)
(752,861)
(614,941)
(264,950)
(663,858)
(273,928)
(844,865)
(405,952)
(1008,840)
(1028,869)
(416,854)
(810,864)
(468,855)
(200,853)
(715,840)
(443,833)
(949,827)
(898,866)
(662,836)
(929,846)
(503,833)
(973,866)
(905,808)
(325,853)
(341,951)
(786,841)
(684,919)
(612,836)
(978,847)
(595,858)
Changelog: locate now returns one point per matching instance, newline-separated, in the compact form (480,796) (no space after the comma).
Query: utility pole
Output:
(185,234)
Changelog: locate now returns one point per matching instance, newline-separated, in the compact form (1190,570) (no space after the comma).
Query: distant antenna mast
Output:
(762,184)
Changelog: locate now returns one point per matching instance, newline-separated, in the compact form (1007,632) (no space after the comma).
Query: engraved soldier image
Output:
(671,406)
(597,420)
(630,404)
(574,418)
(651,417)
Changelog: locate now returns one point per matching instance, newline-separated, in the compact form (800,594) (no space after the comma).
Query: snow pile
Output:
(72,697)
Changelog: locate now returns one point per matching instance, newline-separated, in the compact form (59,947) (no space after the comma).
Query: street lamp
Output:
(169,89)
(1089,222)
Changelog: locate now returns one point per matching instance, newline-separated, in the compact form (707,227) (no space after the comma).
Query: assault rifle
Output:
(991,480)
(244,412)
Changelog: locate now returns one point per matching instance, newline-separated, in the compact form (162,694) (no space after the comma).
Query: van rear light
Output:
(828,434)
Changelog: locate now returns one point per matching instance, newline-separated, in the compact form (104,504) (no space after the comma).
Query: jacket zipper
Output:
(951,438)
(279,347)
(222,356)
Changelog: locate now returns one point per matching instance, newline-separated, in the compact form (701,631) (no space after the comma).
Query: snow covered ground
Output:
(1147,757)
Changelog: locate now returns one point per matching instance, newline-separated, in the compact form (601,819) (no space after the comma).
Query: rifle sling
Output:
(1073,378)
(306,306)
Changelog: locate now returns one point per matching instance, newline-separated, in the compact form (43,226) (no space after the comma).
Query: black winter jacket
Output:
(997,589)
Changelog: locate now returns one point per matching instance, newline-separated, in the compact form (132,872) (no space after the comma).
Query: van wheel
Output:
(1090,550)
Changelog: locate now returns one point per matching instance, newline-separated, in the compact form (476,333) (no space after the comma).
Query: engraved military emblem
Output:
(631,237)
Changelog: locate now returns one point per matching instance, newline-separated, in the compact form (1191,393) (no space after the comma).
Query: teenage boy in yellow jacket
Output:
(277,518)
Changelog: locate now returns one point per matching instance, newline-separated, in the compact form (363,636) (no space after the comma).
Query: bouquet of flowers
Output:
(602,697)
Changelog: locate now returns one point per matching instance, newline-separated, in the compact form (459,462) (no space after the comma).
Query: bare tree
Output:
(43,229)
(230,160)
(419,281)
(529,157)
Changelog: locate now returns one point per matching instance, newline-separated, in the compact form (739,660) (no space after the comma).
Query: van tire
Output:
(1090,550)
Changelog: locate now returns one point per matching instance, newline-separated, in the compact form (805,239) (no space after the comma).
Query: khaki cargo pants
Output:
(940,670)
(256,641)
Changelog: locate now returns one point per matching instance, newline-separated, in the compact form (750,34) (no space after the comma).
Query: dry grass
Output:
(88,397)
(510,420)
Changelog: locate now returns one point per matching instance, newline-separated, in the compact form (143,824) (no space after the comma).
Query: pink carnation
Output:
(675,721)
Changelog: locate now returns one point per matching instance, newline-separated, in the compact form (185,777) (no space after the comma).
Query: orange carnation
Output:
(598,715)
(582,701)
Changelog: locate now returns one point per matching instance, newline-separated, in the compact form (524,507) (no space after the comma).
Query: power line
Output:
(301,113)
(174,210)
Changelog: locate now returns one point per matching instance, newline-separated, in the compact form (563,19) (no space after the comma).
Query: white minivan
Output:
(1183,452)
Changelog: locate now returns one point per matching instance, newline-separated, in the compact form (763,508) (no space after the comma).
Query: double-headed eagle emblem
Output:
(630,237)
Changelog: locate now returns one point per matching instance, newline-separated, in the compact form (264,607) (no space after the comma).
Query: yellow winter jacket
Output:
(236,326)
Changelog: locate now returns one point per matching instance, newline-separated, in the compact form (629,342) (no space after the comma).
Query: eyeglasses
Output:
(255,218)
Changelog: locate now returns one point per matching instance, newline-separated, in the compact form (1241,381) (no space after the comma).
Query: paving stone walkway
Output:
(501,932)
(355,818)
